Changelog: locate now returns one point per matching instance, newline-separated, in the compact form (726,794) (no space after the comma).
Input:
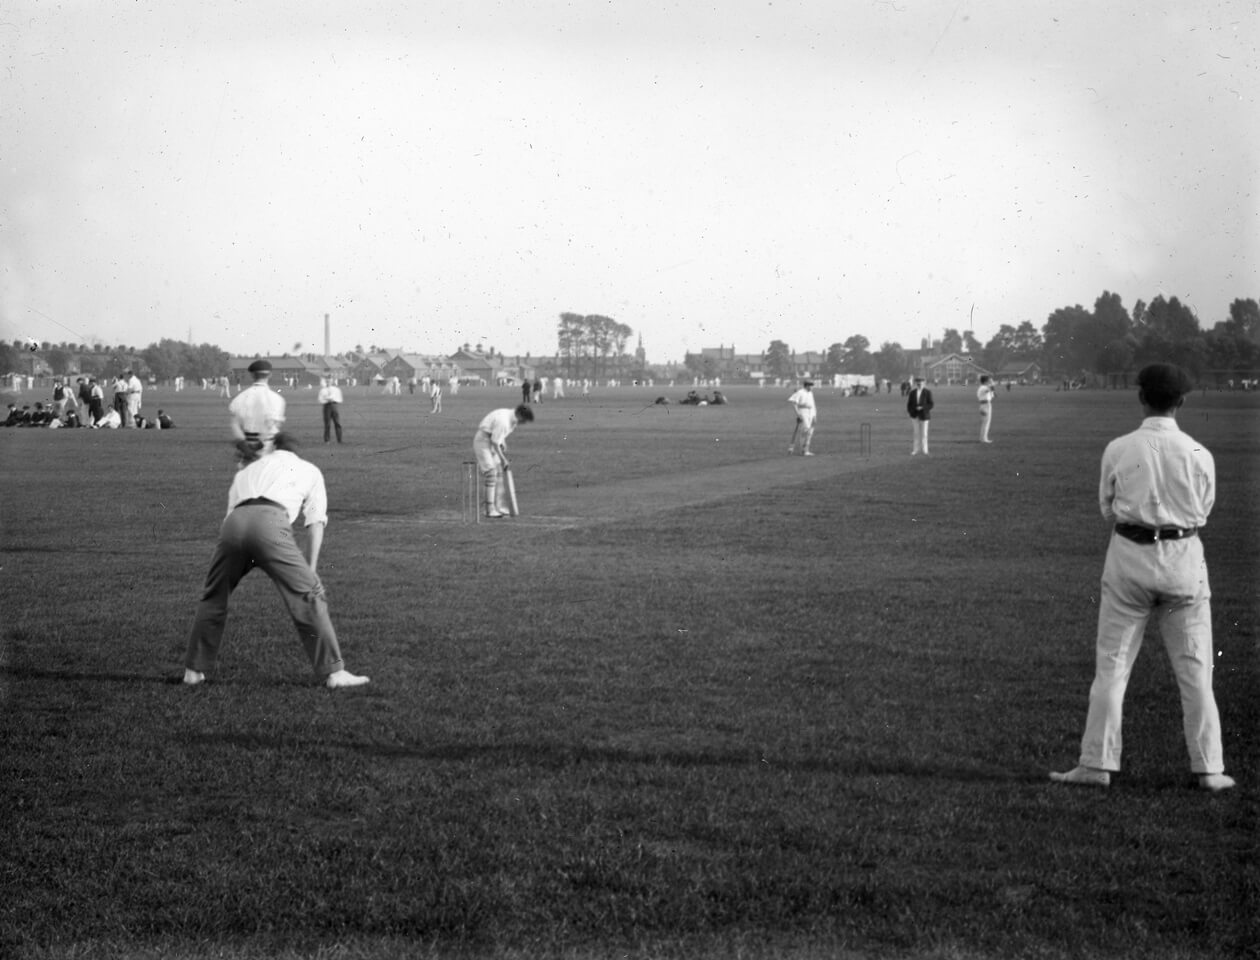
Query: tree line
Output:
(164,360)
(1074,342)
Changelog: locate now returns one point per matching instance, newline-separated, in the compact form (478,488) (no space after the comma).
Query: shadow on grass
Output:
(560,757)
(164,679)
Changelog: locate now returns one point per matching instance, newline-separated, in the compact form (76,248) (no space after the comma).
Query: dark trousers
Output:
(331,419)
(260,536)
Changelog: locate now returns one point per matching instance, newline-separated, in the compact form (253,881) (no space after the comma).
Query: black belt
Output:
(1140,534)
(259,502)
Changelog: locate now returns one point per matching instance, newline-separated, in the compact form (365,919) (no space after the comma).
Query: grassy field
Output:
(700,700)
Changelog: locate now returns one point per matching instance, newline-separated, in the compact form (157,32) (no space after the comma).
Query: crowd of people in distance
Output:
(63,410)
(693,399)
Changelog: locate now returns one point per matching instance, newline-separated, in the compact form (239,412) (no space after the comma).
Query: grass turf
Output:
(701,699)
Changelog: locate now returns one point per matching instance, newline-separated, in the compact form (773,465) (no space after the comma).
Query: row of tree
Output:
(1074,342)
(164,360)
(585,344)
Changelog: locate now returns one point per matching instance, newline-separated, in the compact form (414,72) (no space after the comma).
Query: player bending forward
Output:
(264,501)
(490,449)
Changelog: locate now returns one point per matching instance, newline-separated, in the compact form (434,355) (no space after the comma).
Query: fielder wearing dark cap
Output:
(1157,487)
(257,412)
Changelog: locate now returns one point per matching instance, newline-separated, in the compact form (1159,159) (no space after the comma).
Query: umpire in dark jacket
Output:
(919,406)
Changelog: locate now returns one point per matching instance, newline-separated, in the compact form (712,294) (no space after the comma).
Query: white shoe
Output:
(193,677)
(1083,777)
(806,454)
(1216,782)
(344,678)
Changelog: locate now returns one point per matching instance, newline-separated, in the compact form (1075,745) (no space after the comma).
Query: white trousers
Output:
(920,435)
(986,418)
(1168,578)
(494,493)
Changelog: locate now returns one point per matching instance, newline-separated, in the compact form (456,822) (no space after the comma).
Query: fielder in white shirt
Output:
(1157,486)
(330,400)
(806,416)
(984,395)
(264,502)
(257,411)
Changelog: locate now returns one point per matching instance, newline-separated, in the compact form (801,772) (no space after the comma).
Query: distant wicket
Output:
(865,434)
(470,492)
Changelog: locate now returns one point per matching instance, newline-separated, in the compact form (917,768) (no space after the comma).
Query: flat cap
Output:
(260,366)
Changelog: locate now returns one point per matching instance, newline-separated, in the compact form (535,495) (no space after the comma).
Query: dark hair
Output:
(1162,385)
(524,413)
(285,441)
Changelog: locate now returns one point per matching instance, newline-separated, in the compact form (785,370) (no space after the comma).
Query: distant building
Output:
(1019,371)
(951,368)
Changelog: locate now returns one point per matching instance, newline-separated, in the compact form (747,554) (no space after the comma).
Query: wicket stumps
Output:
(470,492)
(864,433)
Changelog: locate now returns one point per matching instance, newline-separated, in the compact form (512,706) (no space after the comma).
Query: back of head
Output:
(1162,385)
(285,441)
(524,413)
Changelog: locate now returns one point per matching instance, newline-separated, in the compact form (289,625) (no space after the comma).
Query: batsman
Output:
(490,448)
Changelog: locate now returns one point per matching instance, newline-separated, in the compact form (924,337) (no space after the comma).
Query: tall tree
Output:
(857,355)
(779,360)
(890,360)
(166,358)
(833,361)
(952,341)
(1244,319)
(1063,336)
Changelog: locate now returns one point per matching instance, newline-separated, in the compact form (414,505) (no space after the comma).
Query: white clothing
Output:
(287,479)
(806,408)
(1157,476)
(985,395)
(257,410)
(330,394)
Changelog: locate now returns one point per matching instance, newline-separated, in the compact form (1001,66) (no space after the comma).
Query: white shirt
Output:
(286,478)
(985,393)
(330,394)
(1157,476)
(803,400)
(134,385)
(499,423)
(258,409)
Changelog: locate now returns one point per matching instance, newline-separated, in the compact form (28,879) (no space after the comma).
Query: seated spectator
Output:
(38,417)
(14,417)
(718,398)
(109,421)
(72,419)
(164,422)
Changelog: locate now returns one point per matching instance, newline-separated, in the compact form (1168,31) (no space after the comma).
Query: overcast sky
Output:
(431,173)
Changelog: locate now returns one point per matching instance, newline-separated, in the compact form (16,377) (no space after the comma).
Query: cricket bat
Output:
(508,482)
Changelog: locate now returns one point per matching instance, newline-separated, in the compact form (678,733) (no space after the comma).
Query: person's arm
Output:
(1107,488)
(314,543)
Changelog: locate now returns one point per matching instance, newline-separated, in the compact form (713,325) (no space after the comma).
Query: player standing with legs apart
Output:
(490,449)
(263,504)
(257,412)
(985,394)
(919,405)
(1157,487)
(330,401)
(806,416)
